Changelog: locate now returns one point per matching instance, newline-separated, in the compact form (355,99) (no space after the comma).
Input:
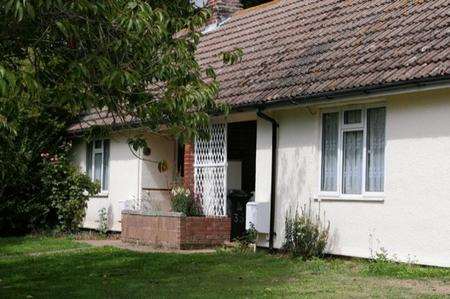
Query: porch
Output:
(220,172)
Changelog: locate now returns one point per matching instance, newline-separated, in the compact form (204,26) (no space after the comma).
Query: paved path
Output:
(141,248)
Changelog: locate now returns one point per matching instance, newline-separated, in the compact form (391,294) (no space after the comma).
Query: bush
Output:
(305,235)
(67,191)
(242,244)
(39,189)
(50,194)
(183,202)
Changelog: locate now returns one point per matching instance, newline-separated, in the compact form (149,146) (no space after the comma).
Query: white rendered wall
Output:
(263,160)
(162,148)
(128,175)
(123,182)
(413,222)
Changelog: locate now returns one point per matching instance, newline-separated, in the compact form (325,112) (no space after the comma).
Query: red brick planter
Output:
(174,230)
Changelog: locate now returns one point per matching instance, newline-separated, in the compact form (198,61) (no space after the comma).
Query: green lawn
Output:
(35,245)
(88,272)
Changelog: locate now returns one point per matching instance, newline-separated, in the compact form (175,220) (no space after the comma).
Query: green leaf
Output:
(62,28)
(210,72)
(132,5)
(127,59)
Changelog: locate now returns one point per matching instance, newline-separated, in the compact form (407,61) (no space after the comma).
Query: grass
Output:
(384,268)
(114,273)
(36,245)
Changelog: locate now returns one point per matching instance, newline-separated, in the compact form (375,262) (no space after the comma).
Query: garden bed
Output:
(174,230)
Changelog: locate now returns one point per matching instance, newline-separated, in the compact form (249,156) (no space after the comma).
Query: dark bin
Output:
(237,201)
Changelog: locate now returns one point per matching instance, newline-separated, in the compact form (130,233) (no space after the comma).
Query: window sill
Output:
(377,199)
(101,194)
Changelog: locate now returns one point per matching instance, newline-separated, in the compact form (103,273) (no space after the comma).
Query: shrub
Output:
(251,234)
(52,194)
(305,235)
(242,244)
(67,191)
(183,202)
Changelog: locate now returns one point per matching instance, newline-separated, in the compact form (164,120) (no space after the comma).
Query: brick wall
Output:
(221,9)
(200,232)
(188,178)
(176,232)
(163,231)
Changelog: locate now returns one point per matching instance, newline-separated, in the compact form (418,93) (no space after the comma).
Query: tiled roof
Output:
(304,48)
(101,118)
(308,47)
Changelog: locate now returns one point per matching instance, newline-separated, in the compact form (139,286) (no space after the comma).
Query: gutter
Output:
(417,85)
(275,126)
(421,84)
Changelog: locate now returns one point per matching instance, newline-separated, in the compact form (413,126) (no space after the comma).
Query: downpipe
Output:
(275,126)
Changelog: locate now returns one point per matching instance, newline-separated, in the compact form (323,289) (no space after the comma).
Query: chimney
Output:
(222,10)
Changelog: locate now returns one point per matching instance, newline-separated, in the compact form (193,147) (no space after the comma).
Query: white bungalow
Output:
(342,103)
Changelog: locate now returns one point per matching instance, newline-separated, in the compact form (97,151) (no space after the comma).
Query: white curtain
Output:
(352,162)
(376,122)
(329,151)
(98,167)
(89,159)
(105,183)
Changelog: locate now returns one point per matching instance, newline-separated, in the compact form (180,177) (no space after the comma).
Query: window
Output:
(353,143)
(97,162)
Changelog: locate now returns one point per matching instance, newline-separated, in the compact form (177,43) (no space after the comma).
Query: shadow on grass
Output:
(115,273)
(109,272)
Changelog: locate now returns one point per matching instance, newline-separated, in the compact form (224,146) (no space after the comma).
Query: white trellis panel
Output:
(210,171)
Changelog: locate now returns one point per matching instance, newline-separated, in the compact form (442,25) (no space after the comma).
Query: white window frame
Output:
(99,151)
(365,195)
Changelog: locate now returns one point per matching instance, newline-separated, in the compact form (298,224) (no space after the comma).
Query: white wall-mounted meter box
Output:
(258,213)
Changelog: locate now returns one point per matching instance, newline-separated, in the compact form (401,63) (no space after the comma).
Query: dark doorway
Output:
(241,153)
(242,147)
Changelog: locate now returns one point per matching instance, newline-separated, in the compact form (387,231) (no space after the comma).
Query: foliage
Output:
(243,243)
(39,189)
(103,221)
(183,202)
(305,235)
(251,234)
(134,59)
(231,57)
(67,195)
(30,130)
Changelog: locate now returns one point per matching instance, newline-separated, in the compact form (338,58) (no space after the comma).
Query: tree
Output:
(134,59)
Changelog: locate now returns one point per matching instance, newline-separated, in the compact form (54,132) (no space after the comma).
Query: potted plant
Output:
(182,201)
